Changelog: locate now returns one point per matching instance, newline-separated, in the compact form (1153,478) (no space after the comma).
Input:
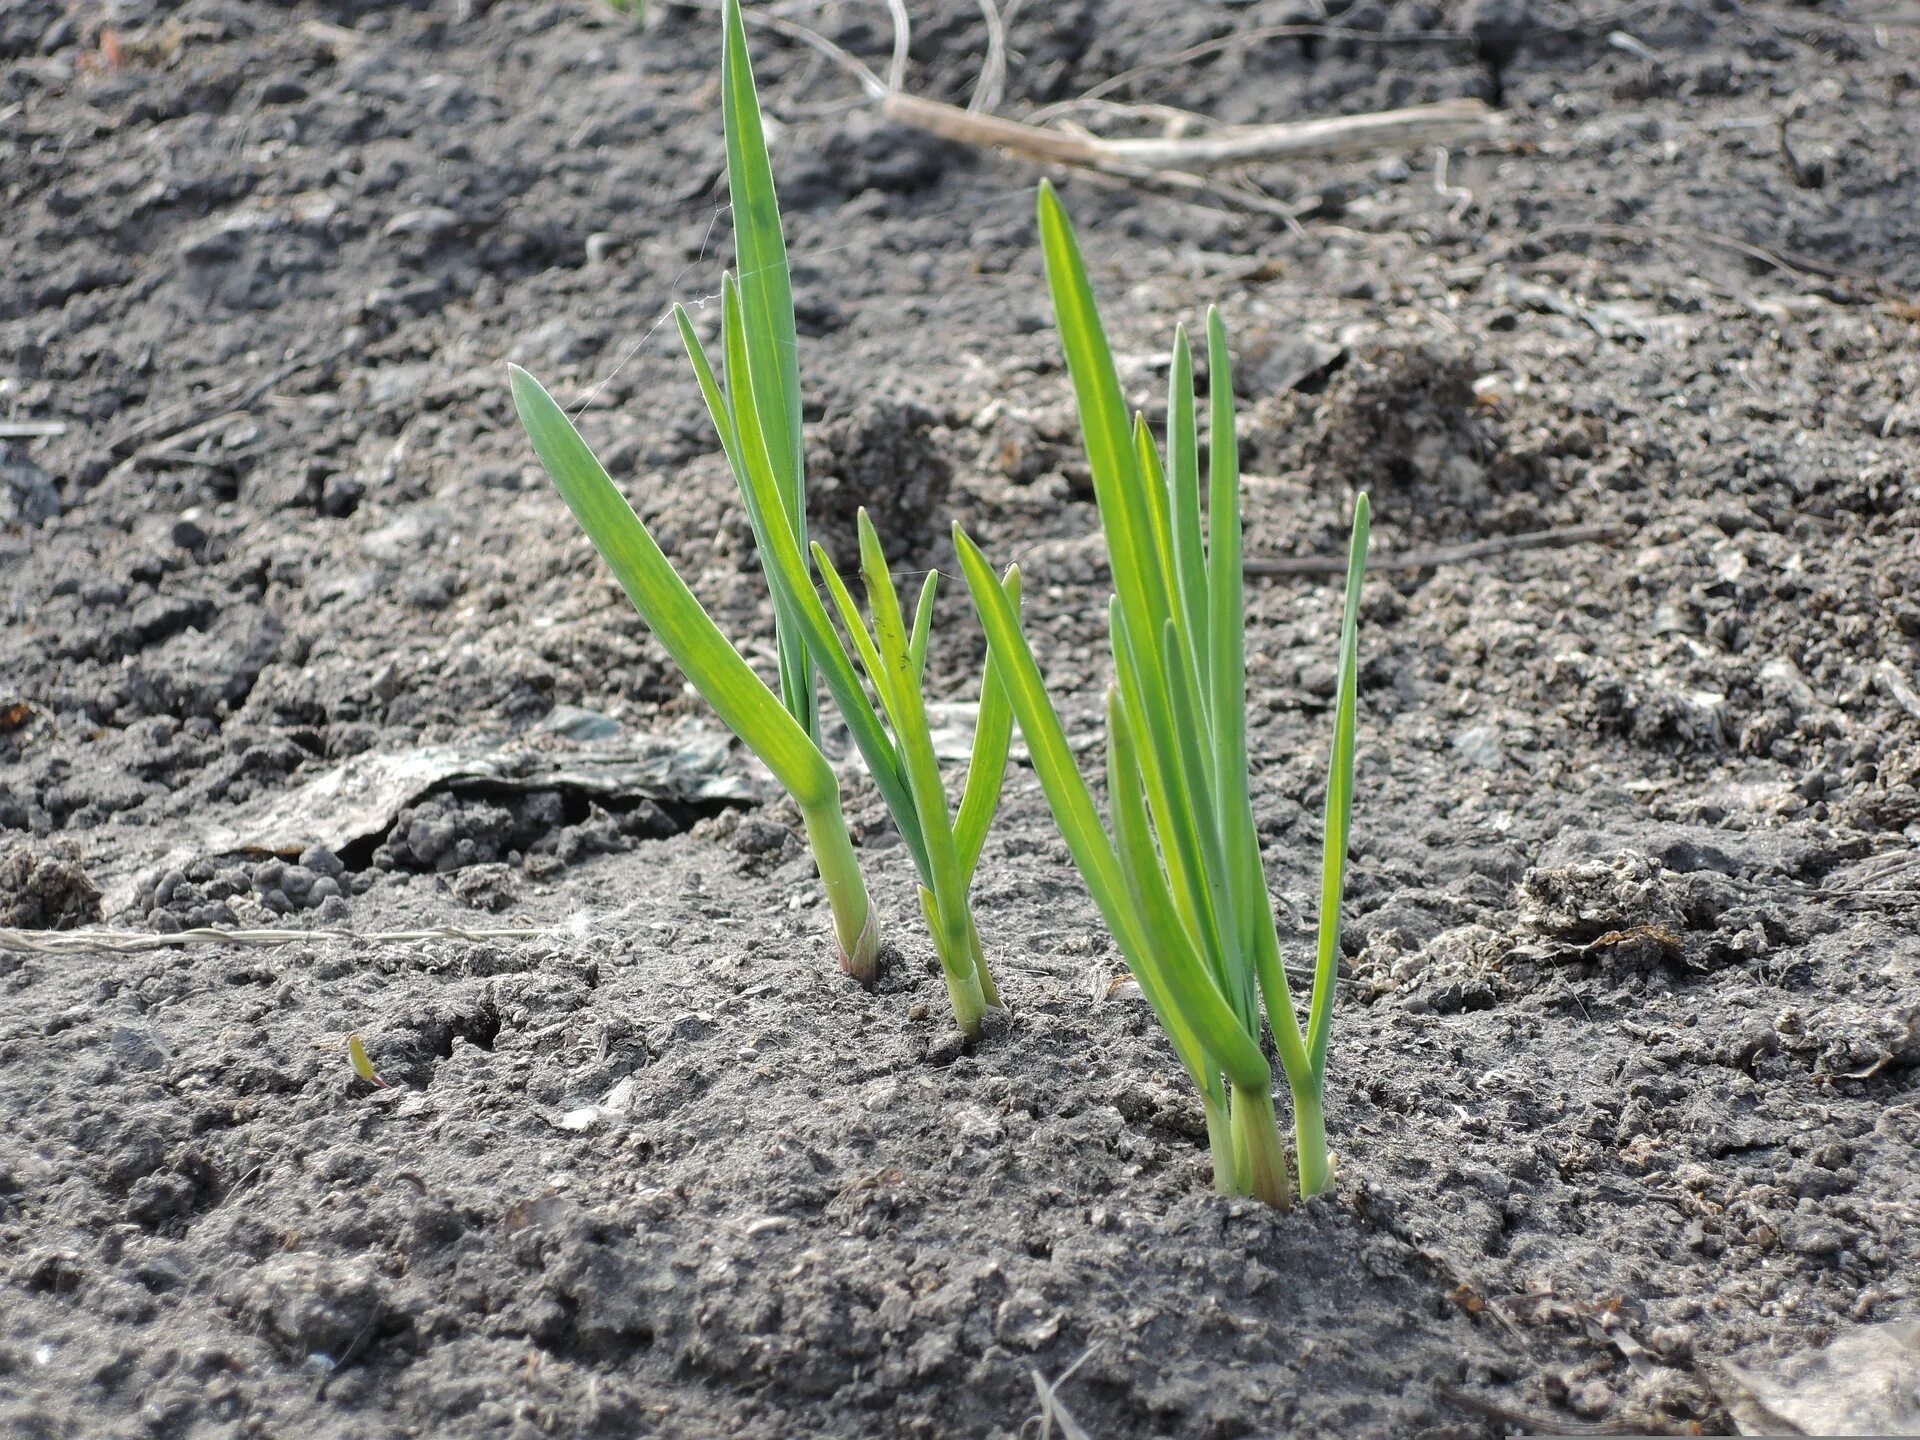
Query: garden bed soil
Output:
(1623,1080)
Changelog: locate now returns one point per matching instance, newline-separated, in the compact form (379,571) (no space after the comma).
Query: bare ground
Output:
(1624,1083)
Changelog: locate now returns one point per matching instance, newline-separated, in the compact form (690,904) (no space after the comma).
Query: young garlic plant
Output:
(945,849)
(756,412)
(1179,879)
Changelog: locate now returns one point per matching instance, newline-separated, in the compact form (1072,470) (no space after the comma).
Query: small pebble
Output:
(947,1048)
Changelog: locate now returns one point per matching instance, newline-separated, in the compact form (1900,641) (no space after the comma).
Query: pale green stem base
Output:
(1226,1169)
(969,987)
(988,990)
(1258,1151)
(854,923)
(1310,1145)
(969,1007)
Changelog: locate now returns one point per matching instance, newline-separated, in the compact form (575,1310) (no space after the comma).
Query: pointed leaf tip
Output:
(527,391)
(1048,202)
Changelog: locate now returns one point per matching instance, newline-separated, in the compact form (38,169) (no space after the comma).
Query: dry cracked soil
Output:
(295,636)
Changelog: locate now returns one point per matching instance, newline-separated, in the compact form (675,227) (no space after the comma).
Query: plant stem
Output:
(969,1006)
(958,948)
(989,991)
(854,922)
(1226,1170)
(1310,1143)
(1256,1143)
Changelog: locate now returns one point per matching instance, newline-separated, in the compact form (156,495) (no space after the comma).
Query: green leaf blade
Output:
(1153,486)
(768,504)
(1168,797)
(761,253)
(1133,837)
(719,409)
(1183,490)
(914,737)
(671,611)
(992,740)
(884,760)
(1125,515)
(1226,674)
(1339,811)
(923,622)
(1226,582)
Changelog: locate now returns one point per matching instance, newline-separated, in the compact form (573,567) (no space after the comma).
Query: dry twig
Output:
(1450,122)
(1052,1412)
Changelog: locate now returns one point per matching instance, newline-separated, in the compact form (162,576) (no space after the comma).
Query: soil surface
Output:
(1623,1081)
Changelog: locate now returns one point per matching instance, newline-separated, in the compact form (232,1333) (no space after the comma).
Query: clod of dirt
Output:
(1403,424)
(451,831)
(406,1050)
(1458,970)
(1589,898)
(312,1305)
(1025,445)
(1273,361)
(1853,1039)
(1632,912)
(486,887)
(205,672)
(886,456)
(445,832)
(28,495)
(233,890)
(46,888)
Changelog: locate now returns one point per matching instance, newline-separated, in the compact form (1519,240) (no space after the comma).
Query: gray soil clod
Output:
(1623,1084)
